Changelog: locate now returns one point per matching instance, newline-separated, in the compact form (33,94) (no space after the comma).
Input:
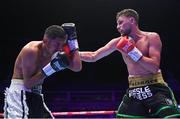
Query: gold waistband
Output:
(138,81)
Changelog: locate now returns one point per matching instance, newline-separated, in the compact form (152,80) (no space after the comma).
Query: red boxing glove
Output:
(68,52)
(128,47)
(66,49)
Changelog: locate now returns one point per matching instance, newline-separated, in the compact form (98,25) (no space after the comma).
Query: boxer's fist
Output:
(59,61)
(129,48)
(70,29)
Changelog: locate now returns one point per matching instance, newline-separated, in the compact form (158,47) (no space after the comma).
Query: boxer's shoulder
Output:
(154,38)
(30,50)
(115,40)
(33,44)
(151,34)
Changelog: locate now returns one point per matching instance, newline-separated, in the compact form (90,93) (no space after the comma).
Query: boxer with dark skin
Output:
(36,61)
(37,54)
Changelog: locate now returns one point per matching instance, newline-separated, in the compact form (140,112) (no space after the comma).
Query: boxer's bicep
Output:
(107,49)
(155,48)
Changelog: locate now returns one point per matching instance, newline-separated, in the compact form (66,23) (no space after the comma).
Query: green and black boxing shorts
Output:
(148,96)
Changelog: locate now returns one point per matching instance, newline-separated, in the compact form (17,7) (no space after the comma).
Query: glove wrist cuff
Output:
(135,54)
(73,44)
(48,70)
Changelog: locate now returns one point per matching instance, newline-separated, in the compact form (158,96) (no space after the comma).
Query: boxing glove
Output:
(129,48)
(59,61)
(70,29)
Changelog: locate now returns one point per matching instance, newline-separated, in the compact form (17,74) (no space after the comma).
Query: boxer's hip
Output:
(18,85)
(21,102)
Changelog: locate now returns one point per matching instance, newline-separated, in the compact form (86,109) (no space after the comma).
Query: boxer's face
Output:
(54,45)
(124,25)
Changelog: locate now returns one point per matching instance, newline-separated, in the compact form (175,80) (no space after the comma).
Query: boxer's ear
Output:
(132,20)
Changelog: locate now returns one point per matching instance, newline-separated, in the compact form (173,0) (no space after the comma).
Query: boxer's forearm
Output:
(38,78)
(75,63)
(87,56)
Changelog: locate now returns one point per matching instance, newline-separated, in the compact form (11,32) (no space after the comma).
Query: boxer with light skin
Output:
(36,61)
(148,95)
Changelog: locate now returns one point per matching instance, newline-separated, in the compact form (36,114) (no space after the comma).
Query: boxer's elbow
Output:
(94,57)
(78,68)
(155,69)
(27,85)
(30,83)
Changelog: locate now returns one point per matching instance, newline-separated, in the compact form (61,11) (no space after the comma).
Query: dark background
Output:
(25,20)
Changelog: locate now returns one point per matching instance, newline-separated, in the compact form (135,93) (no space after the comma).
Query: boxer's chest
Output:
(41,62)
(143,46)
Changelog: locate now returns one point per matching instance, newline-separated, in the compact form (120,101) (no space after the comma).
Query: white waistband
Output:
(18,85)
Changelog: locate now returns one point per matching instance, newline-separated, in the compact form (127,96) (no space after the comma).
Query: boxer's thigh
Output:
(131,108)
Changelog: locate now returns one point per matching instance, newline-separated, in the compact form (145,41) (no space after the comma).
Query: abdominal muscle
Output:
(134,68)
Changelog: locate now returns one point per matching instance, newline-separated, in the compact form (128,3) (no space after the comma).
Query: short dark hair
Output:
(55,31)
(128,13)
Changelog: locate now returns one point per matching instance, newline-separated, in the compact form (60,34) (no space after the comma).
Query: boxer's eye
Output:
(120,22)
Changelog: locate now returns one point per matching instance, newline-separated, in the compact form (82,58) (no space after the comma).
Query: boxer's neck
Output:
(45,51)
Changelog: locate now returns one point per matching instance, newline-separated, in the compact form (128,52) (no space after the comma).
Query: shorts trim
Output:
(163,108)
(22,98)
(171,116)
(129,116)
